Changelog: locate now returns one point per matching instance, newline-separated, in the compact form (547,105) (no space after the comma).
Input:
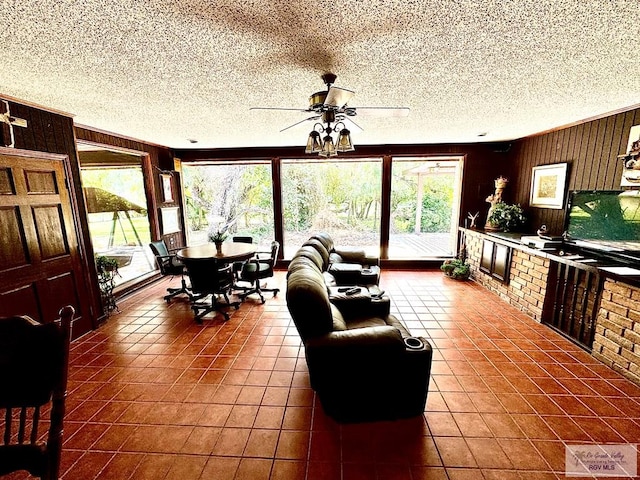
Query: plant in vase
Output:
(219,236)
(506,217)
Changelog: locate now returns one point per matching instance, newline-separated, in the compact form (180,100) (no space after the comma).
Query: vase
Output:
(218,248)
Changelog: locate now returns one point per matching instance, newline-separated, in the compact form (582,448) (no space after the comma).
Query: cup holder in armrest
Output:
(413,343)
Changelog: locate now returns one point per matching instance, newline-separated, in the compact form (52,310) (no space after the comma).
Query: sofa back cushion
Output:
(321,249)
(312,254)
(308,303)
(325,239)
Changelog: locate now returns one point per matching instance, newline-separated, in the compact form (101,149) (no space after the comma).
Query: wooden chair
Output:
(34,361)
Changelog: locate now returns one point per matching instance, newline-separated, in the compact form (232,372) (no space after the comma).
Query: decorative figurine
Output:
(473,219)
(500,184)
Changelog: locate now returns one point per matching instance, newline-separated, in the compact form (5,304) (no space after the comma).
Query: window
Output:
(425,200)
(341,197)
(113,187)
(236,194)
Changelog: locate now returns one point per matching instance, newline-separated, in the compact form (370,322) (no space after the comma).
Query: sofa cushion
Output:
(325,239)
(308,303)
(365,322)
(324,253)
(311,253)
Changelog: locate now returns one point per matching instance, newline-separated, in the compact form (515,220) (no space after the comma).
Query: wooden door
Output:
(40,265)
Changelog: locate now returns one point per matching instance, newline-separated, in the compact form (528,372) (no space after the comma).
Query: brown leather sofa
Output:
(363,363)
(345,265)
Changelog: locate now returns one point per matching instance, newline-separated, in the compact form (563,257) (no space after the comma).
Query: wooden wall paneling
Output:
(590,148)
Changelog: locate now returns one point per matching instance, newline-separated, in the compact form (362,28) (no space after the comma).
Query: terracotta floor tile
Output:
(121,466)
(269,417)
(89,465)
(186,466)
(242,416)
(261,443)
(502,425)
(488,453)
(442,424)
(254,469)
(220,468)
(293,444)
(455,452)
(472,425)
(566,428)
(522,454)
(231,442)
(114,437)
(288,470)
(201,440)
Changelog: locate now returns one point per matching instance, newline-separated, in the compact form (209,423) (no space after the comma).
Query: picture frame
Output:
(548,186)
(170,218)
(167,190)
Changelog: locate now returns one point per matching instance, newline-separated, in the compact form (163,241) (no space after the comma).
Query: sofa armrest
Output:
(374,340)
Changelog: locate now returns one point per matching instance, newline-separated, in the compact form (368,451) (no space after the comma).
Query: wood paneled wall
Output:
(590,149)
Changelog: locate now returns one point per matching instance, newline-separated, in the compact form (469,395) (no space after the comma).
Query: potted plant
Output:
(107,268)
(217,237)
(456,268)
(506,217)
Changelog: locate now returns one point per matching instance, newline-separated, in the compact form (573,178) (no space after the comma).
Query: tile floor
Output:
(155,396)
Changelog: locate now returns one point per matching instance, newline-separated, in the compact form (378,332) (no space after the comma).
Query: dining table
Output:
(230,252)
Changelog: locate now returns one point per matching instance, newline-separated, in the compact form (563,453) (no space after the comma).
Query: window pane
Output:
(424,207)
(118,222)
(238,195)
(340,197)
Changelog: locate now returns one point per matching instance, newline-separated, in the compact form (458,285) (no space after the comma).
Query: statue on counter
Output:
(500,184)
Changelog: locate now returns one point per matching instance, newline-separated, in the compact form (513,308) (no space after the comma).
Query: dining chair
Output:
(258,268)
(34,362)
(237,266)
(169,264)
(210,279)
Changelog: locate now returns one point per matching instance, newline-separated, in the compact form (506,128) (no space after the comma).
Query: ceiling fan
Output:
(330,107)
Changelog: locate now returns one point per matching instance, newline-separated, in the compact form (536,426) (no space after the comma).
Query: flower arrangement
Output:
(505,216)
(456,268)
(218,236)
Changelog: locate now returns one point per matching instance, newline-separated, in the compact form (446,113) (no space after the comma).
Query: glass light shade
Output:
(314,144)
(344,143)
(328,148)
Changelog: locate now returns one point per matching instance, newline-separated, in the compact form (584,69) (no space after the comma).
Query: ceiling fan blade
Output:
(281,109)
(381,111)
(338,97)
(315,117)
(358,127)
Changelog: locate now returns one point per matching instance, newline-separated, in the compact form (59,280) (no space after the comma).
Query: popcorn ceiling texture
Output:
(165,71)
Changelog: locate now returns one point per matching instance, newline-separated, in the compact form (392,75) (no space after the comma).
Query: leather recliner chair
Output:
(345,265)
(363,363)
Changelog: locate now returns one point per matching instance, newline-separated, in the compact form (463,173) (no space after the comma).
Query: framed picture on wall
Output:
(548,185)
(170,218)
(167,191)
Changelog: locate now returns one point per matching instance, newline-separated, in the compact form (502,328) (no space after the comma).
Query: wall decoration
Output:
(631,160)
(167,190)
(170,217)
(548,186)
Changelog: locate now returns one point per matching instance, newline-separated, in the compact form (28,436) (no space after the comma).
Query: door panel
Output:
(40,265)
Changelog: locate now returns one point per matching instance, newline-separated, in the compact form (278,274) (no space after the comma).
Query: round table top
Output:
(231,251)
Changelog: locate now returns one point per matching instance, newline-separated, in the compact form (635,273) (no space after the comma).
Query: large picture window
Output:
(238,195)
(340,197)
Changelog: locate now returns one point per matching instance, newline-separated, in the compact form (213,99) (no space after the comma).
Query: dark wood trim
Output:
(385,207)
(278,209)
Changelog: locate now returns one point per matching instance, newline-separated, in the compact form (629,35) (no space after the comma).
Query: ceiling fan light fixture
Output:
(328,147)
(314,144)
(344,143)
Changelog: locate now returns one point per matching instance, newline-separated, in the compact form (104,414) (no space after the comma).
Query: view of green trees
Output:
(342,197)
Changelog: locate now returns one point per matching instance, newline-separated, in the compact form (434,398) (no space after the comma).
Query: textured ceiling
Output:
(166,71)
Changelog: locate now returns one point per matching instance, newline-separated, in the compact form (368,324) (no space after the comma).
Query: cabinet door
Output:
(501,262)
(486,261)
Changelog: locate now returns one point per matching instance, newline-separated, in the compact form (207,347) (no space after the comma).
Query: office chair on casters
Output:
(237,266)
(258,268)
(169,264)
(208,278)
(34,362)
